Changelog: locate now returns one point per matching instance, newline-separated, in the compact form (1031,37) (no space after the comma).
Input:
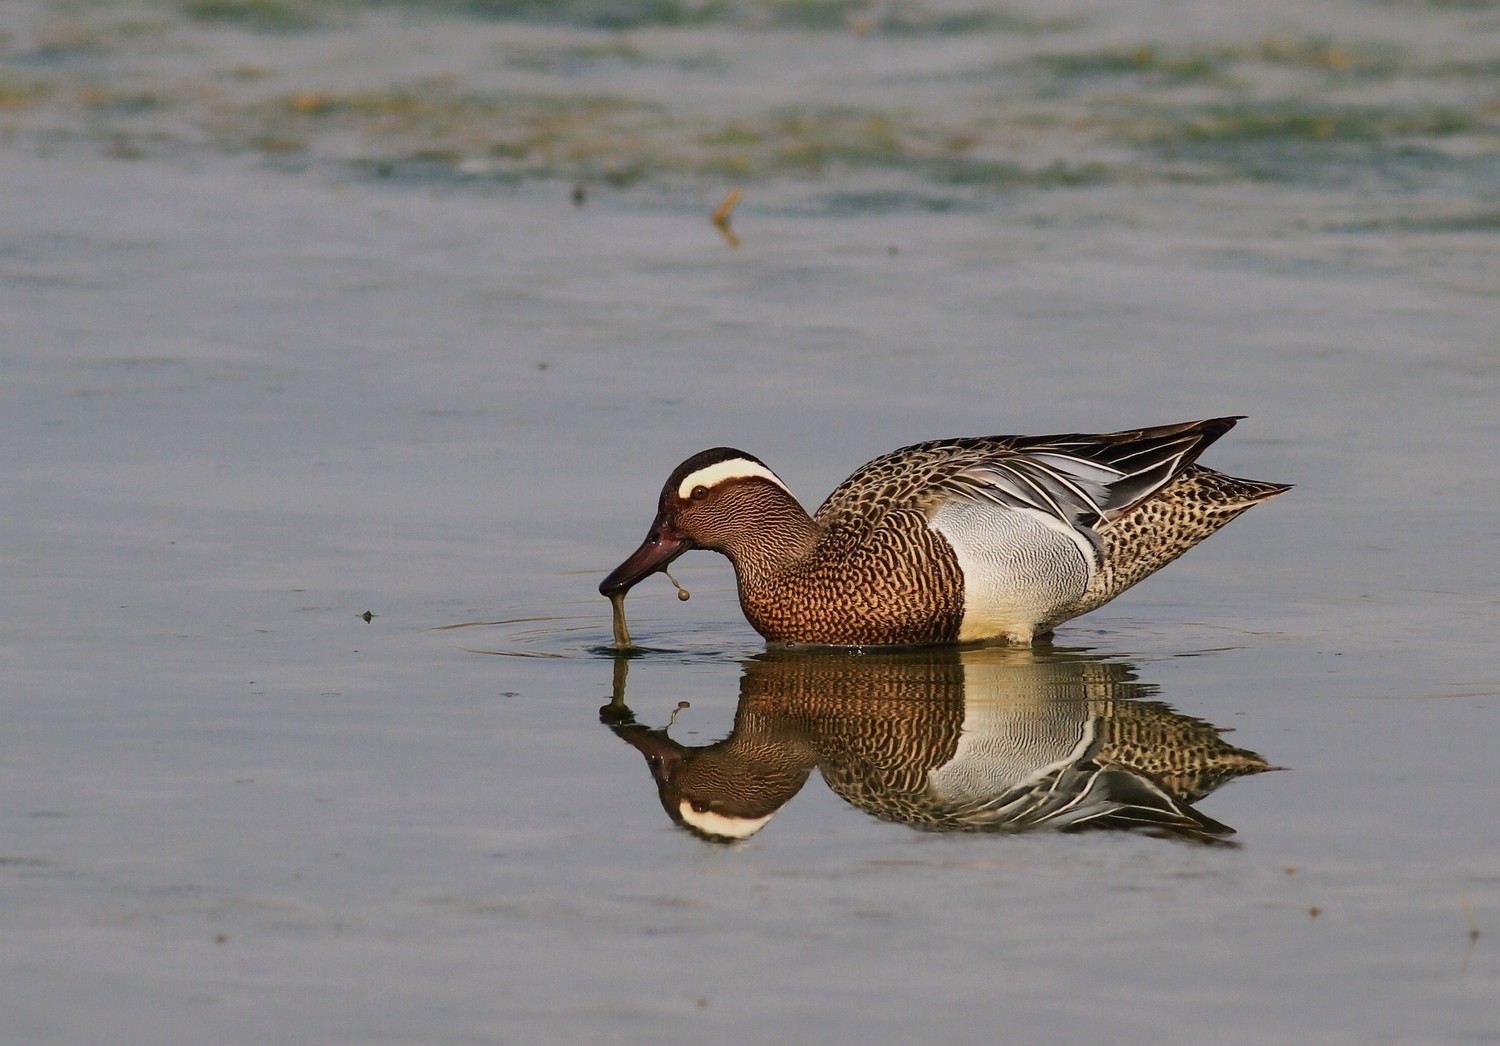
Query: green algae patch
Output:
(267,16)
(18,94)
(1144,62)
(1317,124)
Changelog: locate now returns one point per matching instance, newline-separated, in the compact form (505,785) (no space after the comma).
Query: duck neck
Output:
(781,536)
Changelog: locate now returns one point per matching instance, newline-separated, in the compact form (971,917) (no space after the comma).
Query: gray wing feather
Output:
(1075,491)
(1102,481)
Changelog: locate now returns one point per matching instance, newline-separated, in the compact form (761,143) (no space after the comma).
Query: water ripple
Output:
(587,636)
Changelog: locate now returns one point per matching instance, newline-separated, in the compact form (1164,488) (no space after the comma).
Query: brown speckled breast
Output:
(898,584)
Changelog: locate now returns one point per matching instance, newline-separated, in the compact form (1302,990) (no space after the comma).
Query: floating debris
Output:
(720,218)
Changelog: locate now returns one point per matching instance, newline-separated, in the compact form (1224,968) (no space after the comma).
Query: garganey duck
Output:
(950,541)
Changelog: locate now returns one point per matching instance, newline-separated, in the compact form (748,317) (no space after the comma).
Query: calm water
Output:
(301,321)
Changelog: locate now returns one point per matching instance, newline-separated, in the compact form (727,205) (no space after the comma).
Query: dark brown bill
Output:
(660,548)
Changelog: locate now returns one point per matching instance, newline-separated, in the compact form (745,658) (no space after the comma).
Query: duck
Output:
(972,539)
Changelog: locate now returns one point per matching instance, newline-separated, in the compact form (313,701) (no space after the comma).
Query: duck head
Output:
(717,500)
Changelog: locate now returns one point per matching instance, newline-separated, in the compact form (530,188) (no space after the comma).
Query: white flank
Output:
(735,468)
(1020,567)
(710,823)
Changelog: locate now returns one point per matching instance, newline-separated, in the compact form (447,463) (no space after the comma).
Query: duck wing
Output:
(1076,479)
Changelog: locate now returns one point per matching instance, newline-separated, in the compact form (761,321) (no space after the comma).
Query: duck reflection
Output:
(986,739)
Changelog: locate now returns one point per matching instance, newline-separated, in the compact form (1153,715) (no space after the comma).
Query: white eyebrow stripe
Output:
(726,827)
(735,468)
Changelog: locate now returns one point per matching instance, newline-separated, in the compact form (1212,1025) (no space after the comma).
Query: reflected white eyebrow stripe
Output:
(718,824)
(735,468)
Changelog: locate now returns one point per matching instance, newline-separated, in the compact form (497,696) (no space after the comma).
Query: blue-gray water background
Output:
(309,310)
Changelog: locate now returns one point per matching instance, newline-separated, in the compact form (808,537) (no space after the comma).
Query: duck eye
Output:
(699,493)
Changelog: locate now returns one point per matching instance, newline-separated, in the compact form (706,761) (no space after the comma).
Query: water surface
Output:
(302,323)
